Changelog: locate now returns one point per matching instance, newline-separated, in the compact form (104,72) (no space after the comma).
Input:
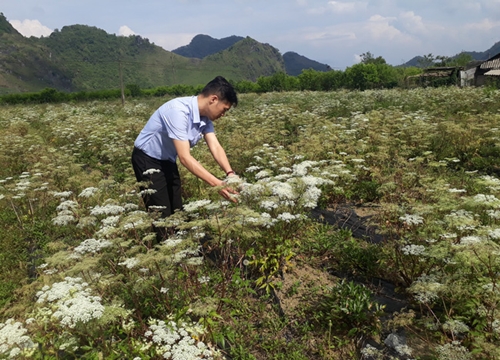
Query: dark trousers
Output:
(166,183)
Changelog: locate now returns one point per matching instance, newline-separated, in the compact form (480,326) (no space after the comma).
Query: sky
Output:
(331,32)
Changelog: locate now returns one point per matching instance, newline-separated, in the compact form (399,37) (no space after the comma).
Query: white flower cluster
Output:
(62,194)
(178,342)
(287,217)
(151,171)
(470,240)
(72,302)
(455,327)
(413,249)
(489,200)
(108,209)
(88,192)
(453,351)
(282,190)
(65,209)
(426,289)
(92,246)
(302,168)
(13,338)
(130,263)
(195,205)
(410,219)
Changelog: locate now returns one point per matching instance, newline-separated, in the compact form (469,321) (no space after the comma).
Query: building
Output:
(480,73)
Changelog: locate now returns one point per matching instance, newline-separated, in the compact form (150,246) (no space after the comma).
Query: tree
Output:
(426,61)
(369,58)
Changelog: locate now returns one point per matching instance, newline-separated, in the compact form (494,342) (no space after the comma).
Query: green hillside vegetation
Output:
(25,64)
(258,60)
(296,63)
(205,45)
(85,58)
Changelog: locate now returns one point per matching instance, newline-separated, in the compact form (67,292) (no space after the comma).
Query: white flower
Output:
(107,210)
(130,263)
(262,174)
(412,249)
(63,220)
(411,219)
(148,192)
(426,288)
(203,279)
(253,168)
(490,200)
(195,205)
(63,194)
(470,240)
(151,171)
(301,169)
(287,217)
(13,338)
(71,301)
(92,246)
(311,196)
(88,192)
(268,204)
(282,190)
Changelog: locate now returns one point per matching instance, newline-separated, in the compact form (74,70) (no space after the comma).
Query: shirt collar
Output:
(197,119)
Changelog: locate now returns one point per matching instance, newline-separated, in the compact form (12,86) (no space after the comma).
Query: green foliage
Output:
(70,214)
(350,307)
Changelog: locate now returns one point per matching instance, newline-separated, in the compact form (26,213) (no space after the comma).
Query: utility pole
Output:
(121,85)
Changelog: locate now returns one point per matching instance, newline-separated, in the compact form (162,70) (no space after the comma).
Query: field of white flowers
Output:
(82,277)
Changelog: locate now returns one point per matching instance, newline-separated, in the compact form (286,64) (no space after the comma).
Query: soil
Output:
(303,284)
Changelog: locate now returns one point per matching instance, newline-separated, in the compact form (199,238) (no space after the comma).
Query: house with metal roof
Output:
(481,73)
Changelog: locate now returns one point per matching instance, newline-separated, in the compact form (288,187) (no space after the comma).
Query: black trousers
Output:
(165,181)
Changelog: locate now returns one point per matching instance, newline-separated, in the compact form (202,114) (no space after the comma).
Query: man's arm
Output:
(190,163)
(218,152)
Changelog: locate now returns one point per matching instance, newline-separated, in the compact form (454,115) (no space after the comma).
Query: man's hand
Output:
(228,193)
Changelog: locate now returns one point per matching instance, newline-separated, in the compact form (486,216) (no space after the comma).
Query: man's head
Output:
(223,89)
(218,97)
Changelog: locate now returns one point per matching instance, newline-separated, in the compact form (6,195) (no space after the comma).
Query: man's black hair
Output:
(222,88)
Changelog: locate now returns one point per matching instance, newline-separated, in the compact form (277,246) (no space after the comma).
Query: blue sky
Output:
(331,32)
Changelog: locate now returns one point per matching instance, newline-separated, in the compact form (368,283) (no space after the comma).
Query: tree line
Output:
(371,73)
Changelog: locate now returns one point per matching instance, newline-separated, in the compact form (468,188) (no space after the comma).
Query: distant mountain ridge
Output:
(476,55)
(202,46)
(86,58)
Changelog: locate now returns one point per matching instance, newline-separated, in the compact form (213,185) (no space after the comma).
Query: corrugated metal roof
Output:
(491,64)
(493,72)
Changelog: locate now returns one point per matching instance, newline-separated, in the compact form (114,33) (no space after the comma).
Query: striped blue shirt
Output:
(177,119)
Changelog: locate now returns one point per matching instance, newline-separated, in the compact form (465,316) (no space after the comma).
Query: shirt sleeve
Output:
(176,122)
(209,128)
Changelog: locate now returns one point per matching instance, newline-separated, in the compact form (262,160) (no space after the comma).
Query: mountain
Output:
(25,64)
(295,63)
(84,58)
(485,55)
(204,45)
(482,55)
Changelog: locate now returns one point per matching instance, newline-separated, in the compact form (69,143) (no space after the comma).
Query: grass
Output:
(425,157)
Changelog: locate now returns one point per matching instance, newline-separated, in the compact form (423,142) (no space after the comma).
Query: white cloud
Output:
(125,31)
(341,7)
(484,25)
(379,27)
(31,28)
(171,41)
(357,59)
(413,23)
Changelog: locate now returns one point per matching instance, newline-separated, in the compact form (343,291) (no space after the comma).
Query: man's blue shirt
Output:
(177,119)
